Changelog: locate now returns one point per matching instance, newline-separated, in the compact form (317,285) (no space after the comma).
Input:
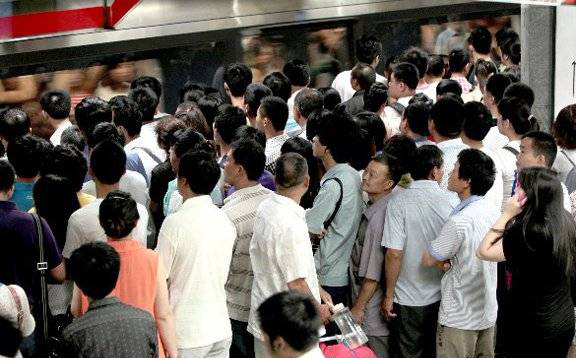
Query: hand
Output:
(325,297)
(325,314)
(513,206)
(446,266)
(358,314)
(386,308)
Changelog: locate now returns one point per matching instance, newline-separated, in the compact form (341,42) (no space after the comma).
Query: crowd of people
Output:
(425,199)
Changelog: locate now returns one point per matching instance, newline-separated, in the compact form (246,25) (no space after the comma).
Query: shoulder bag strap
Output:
(16,298)
(567,157)
(42,267)
(328,222)
(150,154)
(511,150)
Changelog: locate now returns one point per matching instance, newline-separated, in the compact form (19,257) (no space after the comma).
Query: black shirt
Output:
(540,300)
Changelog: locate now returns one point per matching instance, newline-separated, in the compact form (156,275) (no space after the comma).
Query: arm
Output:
(58,273)
(444,247)
(76,303)
(300,285)
(163,314)
(25,90)
(367,289)
(393,261)
(491,248)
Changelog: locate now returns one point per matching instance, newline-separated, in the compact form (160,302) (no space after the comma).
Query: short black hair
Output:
(186,140)
(149,82)
(417,115)
(448,117)
(165,129)
(7,176)
(512,49)
(105,131)
(250,155)
(201,171)
(56,104)
(291,170)
(14,123)
(505,34)
(374,127)
(71,136)
(255,92)
(448,86)
(146,100)
(407,73)
(481,40)
(477,120)
(228,120)
(292,316)
(90,112)
(421,98)
(250,133)
(127,114)
(375,97)
(403,148)
(497,84)
(94,268)
(457,60)
(68,162)
(279,84)
(298,72)
(331,97)
(209,106)
(118,214)
(477,167)
(27,155)
(520,90)
(237,76)
(484,69)
(564,127)
(396,169)
(276,110)
(427,157)
(417,57)
(191,92)
(435,65)
(367,49)
(337,131)
(308,100)
(518,113)
(543,144)
(108,162)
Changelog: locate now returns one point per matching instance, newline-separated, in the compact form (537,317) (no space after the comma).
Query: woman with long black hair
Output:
(536,237)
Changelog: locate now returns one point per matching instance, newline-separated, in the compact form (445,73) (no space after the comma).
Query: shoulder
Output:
(134,178)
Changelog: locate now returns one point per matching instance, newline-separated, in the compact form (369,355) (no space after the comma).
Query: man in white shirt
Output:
(414,218)
(445,125)
(226,123)
(271,120)
(243,168)
(467,316)
(477,123)
(368,50)
(195,245)
(308,101)
(290,325)
(493,94)
(403,83)
(280,251)
(538,149)
(298,72)
(56,110)
(255,92)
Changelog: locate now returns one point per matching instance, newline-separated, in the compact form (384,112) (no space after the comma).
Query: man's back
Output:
(195,245)
(450,150)
(112,329)
(131,182)
(413,219)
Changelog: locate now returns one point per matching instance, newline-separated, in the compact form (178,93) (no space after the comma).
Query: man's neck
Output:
(328,162)
(273,133)
(26,180)
(224,149)
(458,75)
(439,139)
(410,93)
(130,139)
(189,195)
(104,189)
(237,101)
(297,88)
(245,183)
(293,194)
(56,123)
(4,196)
(375,197)
(513,136)
(474,144)
(252,121)
(464,195)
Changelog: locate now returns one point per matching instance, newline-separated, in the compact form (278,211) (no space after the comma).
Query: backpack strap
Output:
(150,154)
(567,157)
(511,150)
(328,222)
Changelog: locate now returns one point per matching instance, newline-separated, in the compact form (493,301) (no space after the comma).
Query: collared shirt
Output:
(413,219)
(241,209)
(333,256)
(131,182)
(420,141)
(392,119)
(280,252)
(464,203)
(564,162)
(343,85)
(367,261)
(84,227)
(23,196)
(469,287)
(450,148)
(148,132)
(495,140)
(195,246)
(266,180)
(111,328)
(173,200)
(272,151)
(57,135)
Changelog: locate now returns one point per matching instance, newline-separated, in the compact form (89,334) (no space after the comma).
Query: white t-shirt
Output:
(469,287)
(562,162)
(342,84)
(57,135)
(146,153)
(508,161)
(450,150)
(147,132)
(84,227)
(280,252)
(496,192)
(392,120)
(131,182)
(195,245)
(494,139)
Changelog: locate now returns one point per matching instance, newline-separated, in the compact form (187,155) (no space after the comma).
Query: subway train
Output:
(82,45)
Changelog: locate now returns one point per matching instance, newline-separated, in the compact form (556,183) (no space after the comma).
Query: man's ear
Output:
(279,344)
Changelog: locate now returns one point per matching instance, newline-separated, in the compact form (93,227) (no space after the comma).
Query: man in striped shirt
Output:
(244,166)
(468,307)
